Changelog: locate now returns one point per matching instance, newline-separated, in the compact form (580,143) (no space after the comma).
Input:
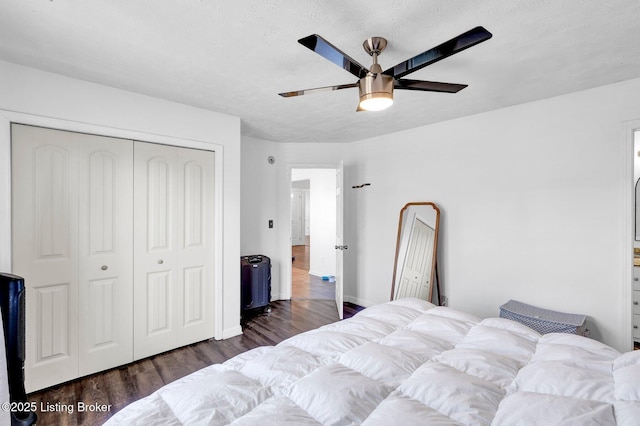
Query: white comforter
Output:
(407,362)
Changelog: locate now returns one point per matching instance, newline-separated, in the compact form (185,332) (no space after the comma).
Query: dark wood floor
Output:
(307,286)
(303,284)
(301,256)
(120,386)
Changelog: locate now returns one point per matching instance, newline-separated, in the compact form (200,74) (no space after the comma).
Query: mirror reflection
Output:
(416,251)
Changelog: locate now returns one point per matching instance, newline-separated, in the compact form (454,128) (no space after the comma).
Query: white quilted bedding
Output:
(407,362)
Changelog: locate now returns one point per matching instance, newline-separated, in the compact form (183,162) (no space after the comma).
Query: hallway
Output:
(305,285)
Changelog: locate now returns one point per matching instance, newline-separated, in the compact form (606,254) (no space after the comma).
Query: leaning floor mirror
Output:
(414,269)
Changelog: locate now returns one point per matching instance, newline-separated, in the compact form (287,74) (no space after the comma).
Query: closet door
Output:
(45,251)
(173,247)
(71,215)
(106,253)
(195,239)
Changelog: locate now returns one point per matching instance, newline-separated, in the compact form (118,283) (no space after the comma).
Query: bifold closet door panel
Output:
(45,251)
(155,275)
(106,253)
(67,199)
(196,240)
(173,247)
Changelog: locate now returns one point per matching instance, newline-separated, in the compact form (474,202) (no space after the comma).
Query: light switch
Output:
(270,223)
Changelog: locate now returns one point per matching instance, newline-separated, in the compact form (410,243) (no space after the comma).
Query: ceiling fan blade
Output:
(446,49)
(428,86)
(317,89)
(328,51)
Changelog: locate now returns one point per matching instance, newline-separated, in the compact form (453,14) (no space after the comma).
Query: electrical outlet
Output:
(445,301)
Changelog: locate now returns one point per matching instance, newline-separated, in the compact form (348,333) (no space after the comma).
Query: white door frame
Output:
(286,289)
(8,117)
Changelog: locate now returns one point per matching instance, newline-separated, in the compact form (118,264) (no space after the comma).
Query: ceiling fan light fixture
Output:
(376,101)
(376,92)
(375,85)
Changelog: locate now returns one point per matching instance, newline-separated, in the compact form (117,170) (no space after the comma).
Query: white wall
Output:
(36,97)
(533,201)
(322,219)
(259,186)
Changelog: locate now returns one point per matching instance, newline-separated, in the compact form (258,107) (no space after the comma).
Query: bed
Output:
(407,362)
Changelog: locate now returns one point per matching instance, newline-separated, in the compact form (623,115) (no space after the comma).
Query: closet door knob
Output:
(104,267)
(635,303)
(160,261)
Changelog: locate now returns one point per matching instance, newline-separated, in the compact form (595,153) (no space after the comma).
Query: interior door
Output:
(340,246)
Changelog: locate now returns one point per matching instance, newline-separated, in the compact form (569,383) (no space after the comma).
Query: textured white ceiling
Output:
(234,56)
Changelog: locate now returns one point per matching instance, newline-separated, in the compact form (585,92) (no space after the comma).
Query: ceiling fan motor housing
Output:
(376,86)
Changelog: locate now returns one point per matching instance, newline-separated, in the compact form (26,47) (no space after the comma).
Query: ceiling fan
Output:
(376,86)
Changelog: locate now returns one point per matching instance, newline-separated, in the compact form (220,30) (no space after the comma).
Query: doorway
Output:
(313,230)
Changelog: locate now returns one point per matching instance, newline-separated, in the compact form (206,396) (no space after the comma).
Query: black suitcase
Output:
(255,290)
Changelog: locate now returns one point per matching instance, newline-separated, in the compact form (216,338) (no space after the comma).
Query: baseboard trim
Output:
(357,301)
(231,332)
(275,297)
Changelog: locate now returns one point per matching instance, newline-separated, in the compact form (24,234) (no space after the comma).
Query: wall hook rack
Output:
(361,186)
